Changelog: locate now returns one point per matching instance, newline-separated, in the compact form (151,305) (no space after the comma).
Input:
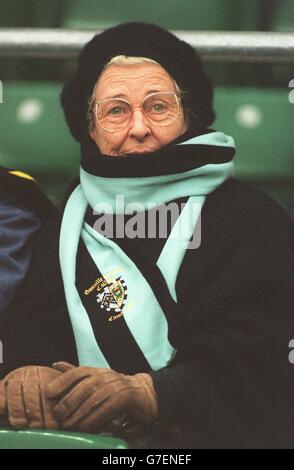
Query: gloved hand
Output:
(22,399)
(90,398)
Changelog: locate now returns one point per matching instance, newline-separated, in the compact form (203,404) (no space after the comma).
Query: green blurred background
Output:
(251,100)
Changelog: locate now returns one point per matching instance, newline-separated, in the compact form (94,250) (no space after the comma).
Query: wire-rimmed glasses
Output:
(160,109)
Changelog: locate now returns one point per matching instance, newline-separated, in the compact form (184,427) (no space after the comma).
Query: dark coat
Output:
(23,207)
(231,383)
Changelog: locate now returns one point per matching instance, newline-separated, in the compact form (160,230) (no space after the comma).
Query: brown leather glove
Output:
(22,399)
(90,398)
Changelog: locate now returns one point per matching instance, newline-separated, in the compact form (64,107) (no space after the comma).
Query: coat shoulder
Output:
(247,204)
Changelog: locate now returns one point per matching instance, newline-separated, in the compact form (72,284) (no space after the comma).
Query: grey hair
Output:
(127,60)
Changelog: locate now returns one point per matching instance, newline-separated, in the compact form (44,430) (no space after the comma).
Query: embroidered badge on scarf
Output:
(111,296)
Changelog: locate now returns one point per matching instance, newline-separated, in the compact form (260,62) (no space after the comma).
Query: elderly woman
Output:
(179,336)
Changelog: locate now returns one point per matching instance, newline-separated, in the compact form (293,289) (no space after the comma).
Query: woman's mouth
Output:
(137,151)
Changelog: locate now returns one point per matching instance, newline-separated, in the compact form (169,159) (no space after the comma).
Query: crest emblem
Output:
(113,296)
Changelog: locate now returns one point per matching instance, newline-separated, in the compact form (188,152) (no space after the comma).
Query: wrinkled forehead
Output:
(133,80)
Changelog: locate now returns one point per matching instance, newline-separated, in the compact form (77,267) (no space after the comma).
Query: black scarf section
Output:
(168,160)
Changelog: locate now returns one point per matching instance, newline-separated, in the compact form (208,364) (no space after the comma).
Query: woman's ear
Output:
(92,131)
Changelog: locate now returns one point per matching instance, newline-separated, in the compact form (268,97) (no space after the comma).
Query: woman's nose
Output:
(139,126)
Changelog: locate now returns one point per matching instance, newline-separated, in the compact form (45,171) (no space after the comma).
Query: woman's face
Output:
(134,83)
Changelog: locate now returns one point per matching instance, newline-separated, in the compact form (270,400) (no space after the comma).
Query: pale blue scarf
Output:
(142,312)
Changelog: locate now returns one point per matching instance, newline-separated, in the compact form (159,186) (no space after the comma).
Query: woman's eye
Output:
(116,110)
(158,108)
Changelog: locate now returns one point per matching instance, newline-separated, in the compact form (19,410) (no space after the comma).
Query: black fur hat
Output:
(177,57)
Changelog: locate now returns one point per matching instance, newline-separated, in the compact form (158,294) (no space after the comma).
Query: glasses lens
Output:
(161,108)
(113,114)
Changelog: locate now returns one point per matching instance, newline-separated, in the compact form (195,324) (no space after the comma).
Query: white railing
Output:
(249,46)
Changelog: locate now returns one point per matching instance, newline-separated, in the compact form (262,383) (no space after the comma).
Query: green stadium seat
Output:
(39,439)
(261,121)
(34,13)
(171,14)
(34,136)
(283,16)
(12,15)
